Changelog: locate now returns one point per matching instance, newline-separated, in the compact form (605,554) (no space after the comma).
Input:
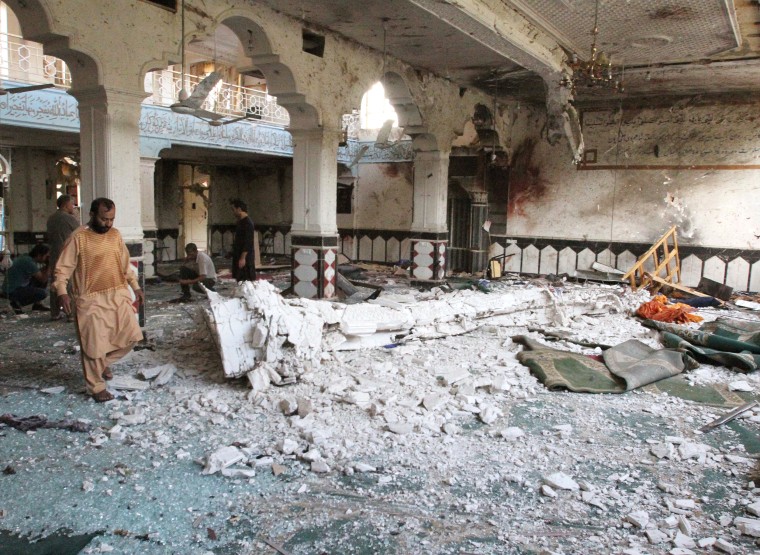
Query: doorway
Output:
(193,217)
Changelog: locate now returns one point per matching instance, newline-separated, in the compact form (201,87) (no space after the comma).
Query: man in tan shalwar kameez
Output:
(96,260)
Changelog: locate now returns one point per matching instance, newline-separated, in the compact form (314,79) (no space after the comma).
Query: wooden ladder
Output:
(665,261)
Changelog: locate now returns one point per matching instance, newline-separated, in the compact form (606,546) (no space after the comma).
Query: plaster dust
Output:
(442,445)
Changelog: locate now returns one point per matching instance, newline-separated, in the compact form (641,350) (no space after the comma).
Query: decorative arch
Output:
(397,91)
(280,79)
(36,26)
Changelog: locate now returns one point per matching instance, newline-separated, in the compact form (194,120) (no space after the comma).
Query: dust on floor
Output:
(369,452)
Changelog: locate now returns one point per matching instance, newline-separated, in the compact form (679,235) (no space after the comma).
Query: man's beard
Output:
(97,228)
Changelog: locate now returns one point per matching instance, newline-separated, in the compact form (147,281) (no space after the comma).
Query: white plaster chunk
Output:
(150,373)
(134,417)
(748,526)
(127,383)
(87,486)
(684,525)
(450,376)
(287,446)
(560,480)
(724,546)
(662,450)
(434,401)
(693,451)
(165,376)
(512,433)
(53,390)
(319,467)
(312,455)
(400,428)
(738,459)
(682,540)
(640,519)
(364,467)
(706,542)
(753,508)
(547,491)
(681,551)
(450,429)
(740,385)
(592,499)
(357,398)
(238,472)
(222,458)
(687,504)
(655,536)
(259,379)
(489,414)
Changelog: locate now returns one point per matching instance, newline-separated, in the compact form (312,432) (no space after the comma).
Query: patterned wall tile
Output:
(585,259)
(549,259)
(737,274)
(567,261)
(625,261)
(530,260)
(715,269)
(378,249)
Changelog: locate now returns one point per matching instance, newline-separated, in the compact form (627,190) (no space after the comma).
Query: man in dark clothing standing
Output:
(243,254)
(60,225)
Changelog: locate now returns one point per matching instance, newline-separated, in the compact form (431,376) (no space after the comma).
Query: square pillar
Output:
(314,239)
(430,236)
(478,237)
(148,214)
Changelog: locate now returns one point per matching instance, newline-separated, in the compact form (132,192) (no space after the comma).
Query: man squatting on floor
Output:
(198,268)
(96,260)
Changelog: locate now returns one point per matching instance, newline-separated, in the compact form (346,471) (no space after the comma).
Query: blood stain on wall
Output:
(525,182)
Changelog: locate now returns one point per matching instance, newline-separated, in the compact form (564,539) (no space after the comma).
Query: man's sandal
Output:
(107,374)
(102,396)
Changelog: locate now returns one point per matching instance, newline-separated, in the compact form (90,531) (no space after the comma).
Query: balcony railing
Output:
(226,99)
(24,62)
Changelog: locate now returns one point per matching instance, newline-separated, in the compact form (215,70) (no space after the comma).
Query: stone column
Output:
(110,157)
(148,215)
(314,232)
(429,233)
(478,236)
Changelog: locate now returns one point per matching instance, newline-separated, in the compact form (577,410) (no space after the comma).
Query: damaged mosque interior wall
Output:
(648,164)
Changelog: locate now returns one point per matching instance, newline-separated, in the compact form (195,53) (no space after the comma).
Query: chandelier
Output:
(596,72)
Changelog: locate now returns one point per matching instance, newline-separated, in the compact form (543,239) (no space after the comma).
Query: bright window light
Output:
(376,109)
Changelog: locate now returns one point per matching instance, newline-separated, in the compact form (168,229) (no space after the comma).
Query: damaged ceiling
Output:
(680,47)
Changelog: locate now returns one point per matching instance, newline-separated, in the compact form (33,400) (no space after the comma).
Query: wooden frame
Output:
(666,263)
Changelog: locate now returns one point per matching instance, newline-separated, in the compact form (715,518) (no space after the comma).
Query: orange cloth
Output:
(98,266)
(659,309)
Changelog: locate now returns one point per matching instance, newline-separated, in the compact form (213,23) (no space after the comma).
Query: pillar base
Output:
(315,259)
(428,267)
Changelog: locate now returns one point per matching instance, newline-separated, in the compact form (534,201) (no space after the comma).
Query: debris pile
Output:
(273,340)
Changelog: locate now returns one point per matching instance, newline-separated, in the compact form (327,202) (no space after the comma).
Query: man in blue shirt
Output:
(25,283)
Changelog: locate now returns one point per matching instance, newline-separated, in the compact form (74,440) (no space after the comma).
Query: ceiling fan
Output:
(26,88)
(191,104)
(219,122)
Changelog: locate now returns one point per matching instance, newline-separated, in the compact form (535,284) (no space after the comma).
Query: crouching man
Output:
(26,283)
(96,260)
(198,268)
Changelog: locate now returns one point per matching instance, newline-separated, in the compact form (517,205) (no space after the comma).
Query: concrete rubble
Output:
(273,340)
(453,434)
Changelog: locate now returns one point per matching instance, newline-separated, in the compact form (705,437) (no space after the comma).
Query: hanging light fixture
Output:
(596,72)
